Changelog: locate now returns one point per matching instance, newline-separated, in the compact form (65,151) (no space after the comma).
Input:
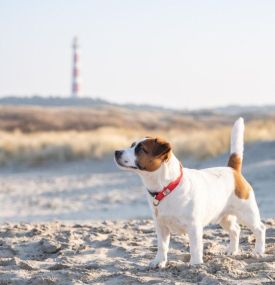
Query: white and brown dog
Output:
(185,200)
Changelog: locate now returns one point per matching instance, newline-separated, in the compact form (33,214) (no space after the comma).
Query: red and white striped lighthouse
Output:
(75,70)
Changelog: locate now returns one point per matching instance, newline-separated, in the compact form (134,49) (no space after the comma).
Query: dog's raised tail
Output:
(236,149)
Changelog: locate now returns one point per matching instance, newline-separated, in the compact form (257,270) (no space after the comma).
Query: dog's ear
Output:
(161,147)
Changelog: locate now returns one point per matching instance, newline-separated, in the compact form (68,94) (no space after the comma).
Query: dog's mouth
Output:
(119,163)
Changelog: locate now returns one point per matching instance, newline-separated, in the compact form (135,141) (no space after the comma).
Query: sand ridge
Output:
(118,252)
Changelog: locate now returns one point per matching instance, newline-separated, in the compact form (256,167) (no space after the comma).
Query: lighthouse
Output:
(75,70)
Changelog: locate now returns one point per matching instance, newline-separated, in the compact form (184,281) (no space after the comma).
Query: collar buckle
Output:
(157,197)
(155,202)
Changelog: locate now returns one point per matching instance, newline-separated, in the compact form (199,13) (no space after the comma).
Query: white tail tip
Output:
(237,138)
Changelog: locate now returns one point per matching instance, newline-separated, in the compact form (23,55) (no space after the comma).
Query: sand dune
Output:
(33,135)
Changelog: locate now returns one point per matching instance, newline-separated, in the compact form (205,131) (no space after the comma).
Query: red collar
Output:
(167,189)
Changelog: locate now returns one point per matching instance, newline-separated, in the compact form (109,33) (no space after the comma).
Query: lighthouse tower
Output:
(75,69)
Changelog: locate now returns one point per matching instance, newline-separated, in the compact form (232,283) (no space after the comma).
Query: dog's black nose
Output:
(118,154)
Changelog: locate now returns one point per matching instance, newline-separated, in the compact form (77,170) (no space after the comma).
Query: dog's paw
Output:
(231,251)
(258,252)
(196,261)
(157,263)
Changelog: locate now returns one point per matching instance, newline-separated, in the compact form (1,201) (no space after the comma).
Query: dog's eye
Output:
(133,144)
(143,149)
(138,148)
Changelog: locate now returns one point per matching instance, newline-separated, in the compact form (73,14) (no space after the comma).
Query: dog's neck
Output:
(166,173)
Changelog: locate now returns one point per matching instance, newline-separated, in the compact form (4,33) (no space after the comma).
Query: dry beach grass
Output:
(33,135)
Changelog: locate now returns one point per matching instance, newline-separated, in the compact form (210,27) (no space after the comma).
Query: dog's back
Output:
(221,191)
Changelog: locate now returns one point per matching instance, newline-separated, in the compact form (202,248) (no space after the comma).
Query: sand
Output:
(119,252)
(104,233)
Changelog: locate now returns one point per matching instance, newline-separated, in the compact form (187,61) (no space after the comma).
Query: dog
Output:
(186,200)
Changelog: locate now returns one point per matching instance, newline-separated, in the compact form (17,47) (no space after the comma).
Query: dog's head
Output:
(146,155)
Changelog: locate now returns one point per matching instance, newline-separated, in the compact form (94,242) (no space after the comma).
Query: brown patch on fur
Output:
(152,153)
(242,187)
(235,162)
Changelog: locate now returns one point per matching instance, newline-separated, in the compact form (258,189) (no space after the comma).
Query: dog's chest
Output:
(173,224)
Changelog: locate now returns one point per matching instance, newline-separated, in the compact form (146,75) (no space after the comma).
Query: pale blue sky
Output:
(184,54)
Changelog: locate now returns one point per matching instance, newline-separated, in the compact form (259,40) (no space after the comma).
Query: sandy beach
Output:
(119,252)
(86,222)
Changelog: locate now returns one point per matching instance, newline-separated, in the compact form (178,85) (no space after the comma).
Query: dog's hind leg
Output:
(229,224)
(258,228)
(163,236)
(250,217)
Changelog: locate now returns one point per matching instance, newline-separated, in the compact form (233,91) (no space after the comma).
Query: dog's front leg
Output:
(196,244)
(163,237)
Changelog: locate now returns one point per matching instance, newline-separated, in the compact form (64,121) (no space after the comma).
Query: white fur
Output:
(203,197)
(237,138)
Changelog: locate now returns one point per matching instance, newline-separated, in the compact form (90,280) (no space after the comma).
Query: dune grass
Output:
(38,147)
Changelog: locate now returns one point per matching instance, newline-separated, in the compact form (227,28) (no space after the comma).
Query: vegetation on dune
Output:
(34,135)
(29,119)
(38,147)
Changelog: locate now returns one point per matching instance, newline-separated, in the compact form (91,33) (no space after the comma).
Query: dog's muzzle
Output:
(118,154)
